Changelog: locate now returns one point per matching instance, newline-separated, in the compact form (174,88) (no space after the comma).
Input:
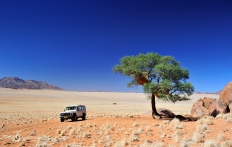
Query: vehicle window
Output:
(71,108)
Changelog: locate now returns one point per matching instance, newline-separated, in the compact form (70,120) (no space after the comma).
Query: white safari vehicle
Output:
(73,112)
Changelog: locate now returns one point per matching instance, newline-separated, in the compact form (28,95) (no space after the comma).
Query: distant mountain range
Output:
(17,83)
(218,93)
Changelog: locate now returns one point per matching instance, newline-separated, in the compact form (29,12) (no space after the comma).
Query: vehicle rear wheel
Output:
(61,119)
(83,116)
(74,118)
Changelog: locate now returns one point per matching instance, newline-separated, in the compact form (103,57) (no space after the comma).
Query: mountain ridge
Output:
(18,83)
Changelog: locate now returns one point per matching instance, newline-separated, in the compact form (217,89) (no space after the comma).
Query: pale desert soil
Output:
(31,118)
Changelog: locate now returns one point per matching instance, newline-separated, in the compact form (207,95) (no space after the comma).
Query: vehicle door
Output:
(79,111)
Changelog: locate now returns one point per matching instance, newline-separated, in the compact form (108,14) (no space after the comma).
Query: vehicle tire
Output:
(83,116)
(74,118)
(61,119)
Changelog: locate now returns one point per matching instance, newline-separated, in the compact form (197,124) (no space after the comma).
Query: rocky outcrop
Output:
(218,107)
(17,83)
(226,94)
(201,107)
(165,113)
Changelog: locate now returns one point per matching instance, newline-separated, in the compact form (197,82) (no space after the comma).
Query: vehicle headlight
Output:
(61,114)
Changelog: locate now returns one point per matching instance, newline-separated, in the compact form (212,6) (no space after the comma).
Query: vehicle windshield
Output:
(71,108)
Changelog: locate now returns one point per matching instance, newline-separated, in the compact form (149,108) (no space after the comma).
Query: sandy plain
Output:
(31,118)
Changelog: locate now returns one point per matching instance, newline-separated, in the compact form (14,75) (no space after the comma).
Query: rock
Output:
(201,107)
(226,94)
(180,117)
(207,102)
(165,113)
(198,110)
(230,107)
(218,107)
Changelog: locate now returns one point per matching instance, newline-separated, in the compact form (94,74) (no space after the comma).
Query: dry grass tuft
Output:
(62,133)
(227,143)
(221,137)
(184,144)
(211,143)
(135,124)
(33,133)
(69,127)
(134,138)
(17,138)
(72,132)
(158,144)
(86,134)
(176,124)
(121,143)
(219,115)
(197,137)
(201,128)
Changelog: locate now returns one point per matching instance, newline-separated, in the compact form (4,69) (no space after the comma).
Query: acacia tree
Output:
(160,76)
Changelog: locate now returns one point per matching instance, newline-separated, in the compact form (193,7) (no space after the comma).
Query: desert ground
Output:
(31,118)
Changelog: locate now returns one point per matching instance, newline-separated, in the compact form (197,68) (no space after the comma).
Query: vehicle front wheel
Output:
(83,117)
(61,119)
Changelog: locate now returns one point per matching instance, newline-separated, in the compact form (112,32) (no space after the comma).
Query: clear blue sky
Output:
(75,43)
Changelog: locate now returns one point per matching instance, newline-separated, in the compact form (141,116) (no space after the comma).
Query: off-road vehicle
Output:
(73,112)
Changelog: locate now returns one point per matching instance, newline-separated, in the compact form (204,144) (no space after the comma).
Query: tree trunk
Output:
(155,114)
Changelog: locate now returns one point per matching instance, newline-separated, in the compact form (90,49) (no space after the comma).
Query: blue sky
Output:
(74,44)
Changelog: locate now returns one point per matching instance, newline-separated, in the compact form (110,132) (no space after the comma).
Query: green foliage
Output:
(167,79)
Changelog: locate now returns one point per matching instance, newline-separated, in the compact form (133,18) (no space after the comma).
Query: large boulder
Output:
(218,107)
(165,113)
(207,102)
(230,107)
(200,107)
(226,94)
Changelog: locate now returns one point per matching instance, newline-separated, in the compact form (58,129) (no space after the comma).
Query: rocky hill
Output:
(17,83)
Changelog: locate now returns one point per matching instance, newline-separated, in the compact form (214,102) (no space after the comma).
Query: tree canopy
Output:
(161,76)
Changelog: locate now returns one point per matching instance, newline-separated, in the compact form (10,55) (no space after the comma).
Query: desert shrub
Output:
(72,132)
(163,135)
(211,143)
(197,137)
(107,132)
(176,124)
(135,124)
(184,144)
(33,133)
(219,115)
(227,115)
(86,134)
(17,138)
(121,143)
(201,128)
(134,138)
(209,120)
(69,127)
(158,144)
(221,137)
(227,143)
(79,130)
(126,133)
(148,129)
(186,138)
